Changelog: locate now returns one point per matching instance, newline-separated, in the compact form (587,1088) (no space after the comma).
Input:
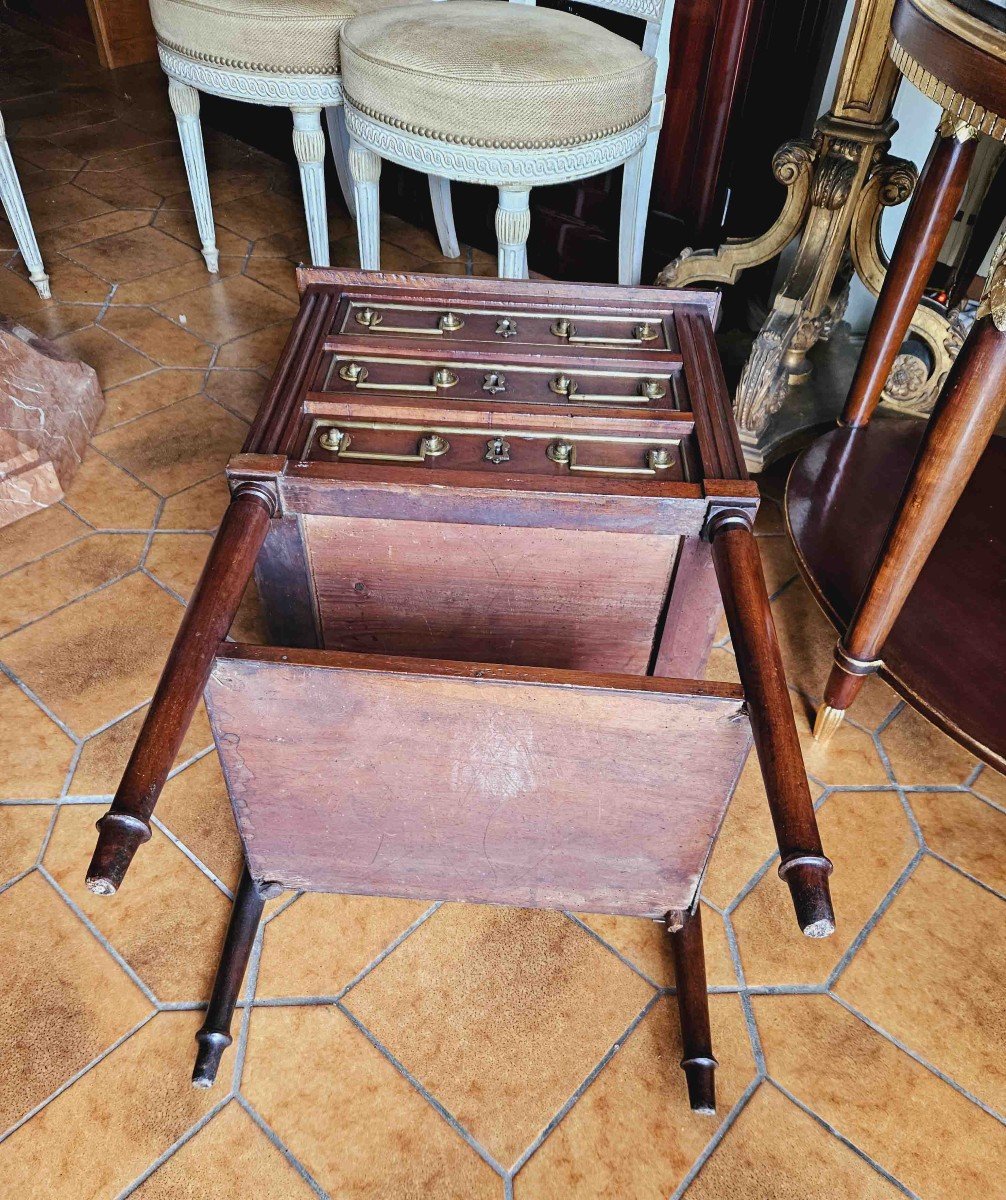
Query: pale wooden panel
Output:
(545,597)
(557,789)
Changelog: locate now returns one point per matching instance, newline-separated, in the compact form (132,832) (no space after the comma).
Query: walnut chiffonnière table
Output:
(491,522)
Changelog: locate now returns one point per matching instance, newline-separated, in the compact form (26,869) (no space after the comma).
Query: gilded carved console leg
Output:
(185,105)
(965,417)
(309,147)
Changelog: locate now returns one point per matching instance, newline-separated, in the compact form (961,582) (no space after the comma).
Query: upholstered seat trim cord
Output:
(236,64)
(948,98)
(487,143)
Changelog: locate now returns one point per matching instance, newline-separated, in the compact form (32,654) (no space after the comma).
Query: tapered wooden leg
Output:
(126,825)
(513,224)
(365,167)
(752,630)
(964,418)
(185,105)
(685,930)
(338,138)
(215,1034)
(309,148)
(929,217)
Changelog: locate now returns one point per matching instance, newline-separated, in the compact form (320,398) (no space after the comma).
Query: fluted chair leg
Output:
(443,216)
(637,179)
(338,136)
(309,147)
(513,224)
(12,198)
(365,167)
(185,105)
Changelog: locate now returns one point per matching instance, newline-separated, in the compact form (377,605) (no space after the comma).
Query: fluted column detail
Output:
(309,147)
(513,224)
(365,167)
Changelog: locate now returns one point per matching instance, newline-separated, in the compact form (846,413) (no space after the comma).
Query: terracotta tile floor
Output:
(388,1048)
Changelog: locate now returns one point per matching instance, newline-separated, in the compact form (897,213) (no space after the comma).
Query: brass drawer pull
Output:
(649,389)
(564,328)
(356,374)
(563,453)
(371,319)
(431,445)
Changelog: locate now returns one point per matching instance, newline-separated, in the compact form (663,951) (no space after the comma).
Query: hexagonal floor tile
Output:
(501,1014)
(967,831)
(632,1133)
(771,948)
(349,1116)
(63,998)
(921,754)
(22,828)
(917,977)
(35,754)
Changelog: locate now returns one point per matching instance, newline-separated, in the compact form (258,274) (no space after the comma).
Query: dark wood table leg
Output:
(964,418)
(126,825)
(215,1035)
(685,930)
(752,629)
(929,217)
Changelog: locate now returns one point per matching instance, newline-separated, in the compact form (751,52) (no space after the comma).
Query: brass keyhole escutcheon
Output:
(368,317)
(331,439)
(506,327)
(353,372)
(444,378)
(450,322)
(494,382)
(652,389)
(497,450)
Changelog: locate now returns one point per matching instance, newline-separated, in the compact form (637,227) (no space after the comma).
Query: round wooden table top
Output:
(955,52)
(946,651)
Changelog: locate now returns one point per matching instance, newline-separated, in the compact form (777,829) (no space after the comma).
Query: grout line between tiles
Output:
(847,1142)
(98,935)
(916,1057)
(390,948)
(281,1146)
(580,924)
(986,887)
(177,1145)
(68,1083)
(192,857)
(707,1151)
(427,1095)
(36,699)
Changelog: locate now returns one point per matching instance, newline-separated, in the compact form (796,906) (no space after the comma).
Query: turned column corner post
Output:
(207,619)
(803,867)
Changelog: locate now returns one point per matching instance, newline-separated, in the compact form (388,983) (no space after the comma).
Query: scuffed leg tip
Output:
(819,929)
(100,886)
(703,1110)
(41,283)
(211,1051)
(212,259)
(827,722)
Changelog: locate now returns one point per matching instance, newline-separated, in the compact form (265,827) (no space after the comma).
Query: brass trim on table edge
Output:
(955,103)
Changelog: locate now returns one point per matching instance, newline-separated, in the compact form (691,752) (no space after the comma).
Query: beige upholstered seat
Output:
(287,37)
(481,73)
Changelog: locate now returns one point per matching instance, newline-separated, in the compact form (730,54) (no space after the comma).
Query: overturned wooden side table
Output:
(490,523)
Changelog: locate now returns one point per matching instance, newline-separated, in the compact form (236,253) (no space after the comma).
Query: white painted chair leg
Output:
(338,137)
(185,105)
(443,216)
(365,167)
(20,221)
(637,179)
(513,224)
(309,147)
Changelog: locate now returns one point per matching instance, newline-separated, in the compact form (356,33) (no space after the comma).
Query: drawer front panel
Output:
(441,446)
(529,597)
(447,378)
(509,325)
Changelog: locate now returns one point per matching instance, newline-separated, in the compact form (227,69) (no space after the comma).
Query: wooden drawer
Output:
(455,377)
(563,450)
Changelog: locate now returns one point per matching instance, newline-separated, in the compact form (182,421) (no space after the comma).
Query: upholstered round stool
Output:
(507,95)
(277,52)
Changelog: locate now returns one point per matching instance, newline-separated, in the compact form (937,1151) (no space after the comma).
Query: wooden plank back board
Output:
(428,779)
